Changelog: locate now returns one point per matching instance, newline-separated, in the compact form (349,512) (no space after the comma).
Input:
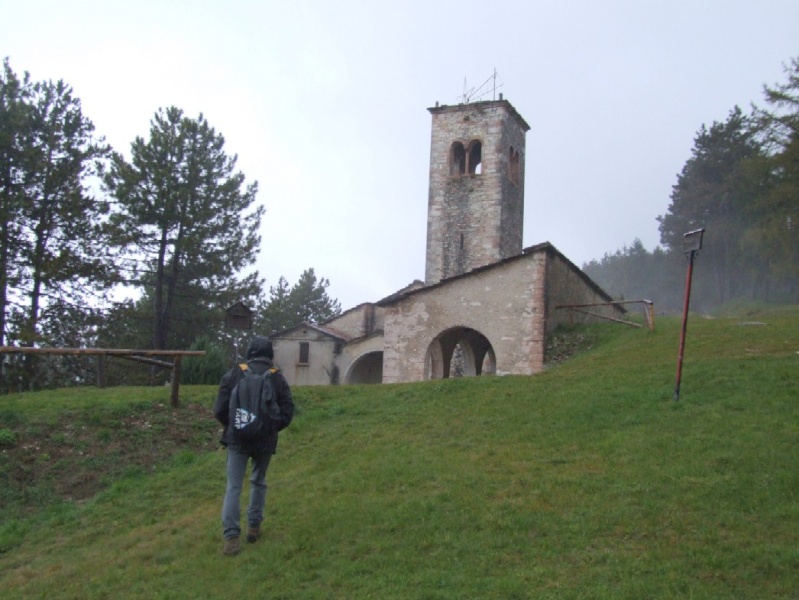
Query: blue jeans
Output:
(237,460)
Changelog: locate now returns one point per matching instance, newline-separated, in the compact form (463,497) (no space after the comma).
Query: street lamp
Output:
(691,244)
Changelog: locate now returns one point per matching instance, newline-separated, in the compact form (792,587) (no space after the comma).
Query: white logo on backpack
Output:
(243,418)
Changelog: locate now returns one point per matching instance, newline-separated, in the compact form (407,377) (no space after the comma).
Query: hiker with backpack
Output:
(253,403)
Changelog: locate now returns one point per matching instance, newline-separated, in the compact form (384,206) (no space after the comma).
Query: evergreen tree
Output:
(715,189)
(776,212)
(51,225)
(126,324)
(204,370)
(276,313)
(305,302)
(188,224)
(14,123)
(310,301)
(64,239)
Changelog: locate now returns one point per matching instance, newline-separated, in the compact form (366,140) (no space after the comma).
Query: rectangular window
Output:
(305,351)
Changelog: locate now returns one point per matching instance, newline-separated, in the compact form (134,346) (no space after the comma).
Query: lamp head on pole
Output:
(692,241)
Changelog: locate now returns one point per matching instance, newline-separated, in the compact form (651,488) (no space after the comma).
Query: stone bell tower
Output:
(476,199)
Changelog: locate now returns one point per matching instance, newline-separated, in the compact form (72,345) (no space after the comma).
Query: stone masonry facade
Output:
(513,304)
(485,298)
(502,303)
(476,198)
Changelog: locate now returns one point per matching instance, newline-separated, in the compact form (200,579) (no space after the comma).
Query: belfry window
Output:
(457,159)
(475,157)
(514,173)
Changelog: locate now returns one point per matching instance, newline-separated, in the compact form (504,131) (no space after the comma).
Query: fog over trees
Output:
(741,184)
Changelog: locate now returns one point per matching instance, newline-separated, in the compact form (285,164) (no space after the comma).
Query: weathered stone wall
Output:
(323,351)
(505,303)
(567,285)
(474,219)
(363,320)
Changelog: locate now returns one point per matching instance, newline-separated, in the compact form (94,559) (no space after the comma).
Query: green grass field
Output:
(587,481)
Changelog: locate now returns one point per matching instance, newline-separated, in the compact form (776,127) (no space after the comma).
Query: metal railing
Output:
(648,309)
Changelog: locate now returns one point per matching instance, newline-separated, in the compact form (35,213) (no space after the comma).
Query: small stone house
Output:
(485,298)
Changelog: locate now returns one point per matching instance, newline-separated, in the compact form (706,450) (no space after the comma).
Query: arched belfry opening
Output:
(457,159)
(459,352)
(514,169)
(466,159)
(475,157)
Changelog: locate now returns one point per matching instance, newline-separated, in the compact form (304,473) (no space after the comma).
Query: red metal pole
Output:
(684,322)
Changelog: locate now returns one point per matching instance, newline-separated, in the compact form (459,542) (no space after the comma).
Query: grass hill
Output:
(587,481)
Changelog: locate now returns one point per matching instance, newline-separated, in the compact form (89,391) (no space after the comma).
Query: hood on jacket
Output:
(260,347)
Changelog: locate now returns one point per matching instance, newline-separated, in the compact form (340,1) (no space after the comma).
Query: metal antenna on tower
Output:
(481,91)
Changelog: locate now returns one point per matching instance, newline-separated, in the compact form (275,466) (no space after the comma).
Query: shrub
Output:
(7,438)
(204,370)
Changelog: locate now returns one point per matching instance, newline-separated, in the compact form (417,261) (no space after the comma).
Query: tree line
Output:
(741,183)
(173,231)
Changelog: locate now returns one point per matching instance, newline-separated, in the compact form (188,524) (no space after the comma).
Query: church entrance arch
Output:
(367,368)
(459,352)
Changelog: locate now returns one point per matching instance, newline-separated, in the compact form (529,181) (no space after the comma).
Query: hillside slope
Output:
(586,481)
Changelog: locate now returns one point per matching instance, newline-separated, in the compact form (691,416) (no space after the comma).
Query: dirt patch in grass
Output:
(565,343)
(42,462)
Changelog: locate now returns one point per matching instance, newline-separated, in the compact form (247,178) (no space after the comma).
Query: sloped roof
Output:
(535,249)
(416,284)
(349,310)
(328,331)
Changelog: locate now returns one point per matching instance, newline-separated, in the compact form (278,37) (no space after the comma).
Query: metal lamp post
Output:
(692,243)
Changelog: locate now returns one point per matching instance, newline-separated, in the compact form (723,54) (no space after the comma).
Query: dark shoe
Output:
(232,546)
(253,533)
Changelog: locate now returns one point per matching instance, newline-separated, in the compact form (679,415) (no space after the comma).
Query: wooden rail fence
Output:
(152,357)
(648,309)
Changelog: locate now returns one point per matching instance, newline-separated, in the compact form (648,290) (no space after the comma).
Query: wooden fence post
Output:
(175,381)
(100,371)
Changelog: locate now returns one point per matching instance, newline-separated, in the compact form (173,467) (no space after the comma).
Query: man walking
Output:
(260,451)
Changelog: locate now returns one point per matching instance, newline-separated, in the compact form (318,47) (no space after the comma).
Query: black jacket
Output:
(282,391)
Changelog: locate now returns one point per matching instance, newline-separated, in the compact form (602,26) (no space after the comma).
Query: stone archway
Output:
(367,368)
(472,352)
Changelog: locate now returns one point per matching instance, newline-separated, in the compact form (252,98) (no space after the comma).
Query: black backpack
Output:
(254,411)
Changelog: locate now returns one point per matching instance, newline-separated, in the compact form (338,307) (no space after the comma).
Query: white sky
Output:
(325,105)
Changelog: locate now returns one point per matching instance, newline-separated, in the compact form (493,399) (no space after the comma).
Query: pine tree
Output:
(52,231)
(13,126)
(715,189)
(310,301)
(776,213)
(187,223)
(306,301)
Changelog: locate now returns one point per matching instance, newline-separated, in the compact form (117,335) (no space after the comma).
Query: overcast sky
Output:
(325,105)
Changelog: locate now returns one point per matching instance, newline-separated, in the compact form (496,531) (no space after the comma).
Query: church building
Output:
(485,299)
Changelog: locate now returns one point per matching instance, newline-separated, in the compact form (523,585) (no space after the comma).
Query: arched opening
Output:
(367,368)
(457,159)
(475,157)
(459,352)
(513,166)
(489,363)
